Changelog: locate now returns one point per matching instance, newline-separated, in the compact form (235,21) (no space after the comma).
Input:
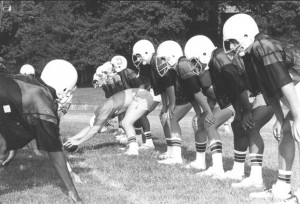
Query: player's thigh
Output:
(181,110)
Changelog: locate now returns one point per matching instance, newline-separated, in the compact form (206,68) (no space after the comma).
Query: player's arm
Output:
(59,162)
(289,92)
(170,92)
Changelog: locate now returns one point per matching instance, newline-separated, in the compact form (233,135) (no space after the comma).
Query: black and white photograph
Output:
(150,102)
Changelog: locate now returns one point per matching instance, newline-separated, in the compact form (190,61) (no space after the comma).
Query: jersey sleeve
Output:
(274,71)
(132,80)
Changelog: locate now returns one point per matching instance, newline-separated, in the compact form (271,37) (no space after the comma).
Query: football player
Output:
(230,85)
(163,83)
(270,65)
(127,78)
(134,103)
(30,111)
(187,81)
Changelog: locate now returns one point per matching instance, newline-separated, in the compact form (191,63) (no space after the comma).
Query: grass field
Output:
(109,177)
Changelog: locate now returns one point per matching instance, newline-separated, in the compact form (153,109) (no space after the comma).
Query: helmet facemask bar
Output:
(232,47)
(65,102)
(137,60)
(196,66)
(162,65)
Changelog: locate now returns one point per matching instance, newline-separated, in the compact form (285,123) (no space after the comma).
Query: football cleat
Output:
(274,193)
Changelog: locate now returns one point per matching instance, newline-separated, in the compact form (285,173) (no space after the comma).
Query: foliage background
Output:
(89,33)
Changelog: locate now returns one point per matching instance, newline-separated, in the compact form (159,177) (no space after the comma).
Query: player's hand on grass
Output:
(11,156)
(277,130)
(73,195)
(75,178)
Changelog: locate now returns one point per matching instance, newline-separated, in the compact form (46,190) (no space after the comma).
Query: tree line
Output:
(89,33)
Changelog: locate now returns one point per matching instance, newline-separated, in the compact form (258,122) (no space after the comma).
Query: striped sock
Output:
(284,181)
(216,150)
(284,176)
(148,135)
(200,153)
(139,139)
(132,144)
(239,162)
(131,139)
(216,147)
(239,156)
(176,144)
(169,146)
(256,165)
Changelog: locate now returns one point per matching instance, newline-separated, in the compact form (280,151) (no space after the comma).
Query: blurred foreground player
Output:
(29,110)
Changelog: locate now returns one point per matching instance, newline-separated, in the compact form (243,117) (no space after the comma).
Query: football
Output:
(72,148)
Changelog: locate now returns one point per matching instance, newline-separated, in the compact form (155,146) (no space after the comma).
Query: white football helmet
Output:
(198,51)
(239,32)
(27,69)
(167,56)
(119,63)
(142,52)
(62,76)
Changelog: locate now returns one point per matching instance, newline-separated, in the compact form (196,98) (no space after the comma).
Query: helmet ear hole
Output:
(246,35)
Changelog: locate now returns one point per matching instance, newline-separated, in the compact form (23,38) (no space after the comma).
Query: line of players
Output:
(214,82)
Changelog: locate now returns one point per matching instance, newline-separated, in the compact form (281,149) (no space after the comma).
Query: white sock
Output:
(256,172)
(217,161)
(200,158)
(149,142)
(170,150)
(238,167)
(133,146)
(176,152)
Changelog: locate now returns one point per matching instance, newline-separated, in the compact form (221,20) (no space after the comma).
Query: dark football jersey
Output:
(187,79)
(228,77)
(158,83)
(268,65)
(27,112)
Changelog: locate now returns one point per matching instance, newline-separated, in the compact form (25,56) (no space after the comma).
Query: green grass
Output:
(118,179)
(88,96)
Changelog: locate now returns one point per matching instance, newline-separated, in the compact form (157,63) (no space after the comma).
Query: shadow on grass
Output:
(24,173)
(99,146)
(269,175)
